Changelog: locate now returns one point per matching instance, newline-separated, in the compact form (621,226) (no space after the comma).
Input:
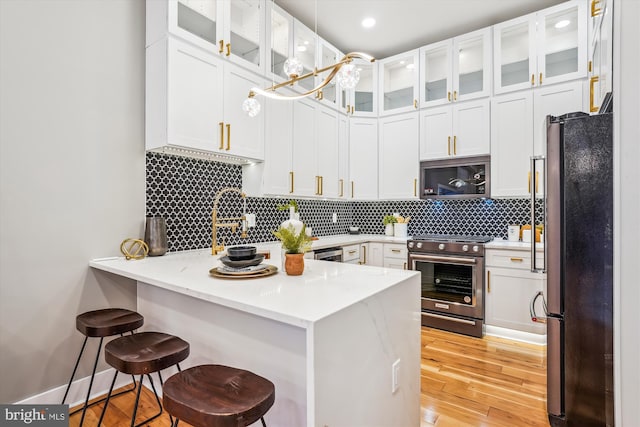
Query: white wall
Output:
(627,206)
(71,176)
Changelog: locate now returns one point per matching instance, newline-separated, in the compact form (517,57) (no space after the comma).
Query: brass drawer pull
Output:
(228,137)
(221,135)
(517,259)
(592,81)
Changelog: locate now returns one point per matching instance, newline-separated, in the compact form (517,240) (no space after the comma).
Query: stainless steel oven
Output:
(452,279)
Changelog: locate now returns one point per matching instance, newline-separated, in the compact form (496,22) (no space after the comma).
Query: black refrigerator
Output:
(578,215)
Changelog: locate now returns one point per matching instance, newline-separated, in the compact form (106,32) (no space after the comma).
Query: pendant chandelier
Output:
(344,71)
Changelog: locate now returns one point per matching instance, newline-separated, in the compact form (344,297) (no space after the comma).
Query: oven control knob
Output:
(441,246)
(410,244)
(465,248)
(419,245)
(475,248)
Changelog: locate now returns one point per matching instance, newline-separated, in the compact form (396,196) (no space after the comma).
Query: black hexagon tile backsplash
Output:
(182,190)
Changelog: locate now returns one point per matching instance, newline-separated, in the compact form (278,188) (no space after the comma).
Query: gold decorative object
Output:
(217,222)
(134,248)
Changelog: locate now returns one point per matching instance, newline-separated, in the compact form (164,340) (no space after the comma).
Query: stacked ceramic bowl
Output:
(241,257)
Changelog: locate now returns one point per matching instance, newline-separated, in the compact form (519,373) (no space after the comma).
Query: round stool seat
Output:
(217,396)
(107,322)
(145,352)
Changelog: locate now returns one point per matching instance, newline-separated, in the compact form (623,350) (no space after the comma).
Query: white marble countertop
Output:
(353,239)
(520,246)
(323,289)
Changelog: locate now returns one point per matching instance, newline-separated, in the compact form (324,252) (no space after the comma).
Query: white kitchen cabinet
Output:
(518,131)
(315,165)
(343,155)
(374,254)
(399,83)
(398,158)
(327,56)
(230,29)
(461,129)
(363,159)
(192,103)
(457,69)
(395,256)
(510,288)
(541,48)
(362,101)
(279,40)
(351,254)
(277,173)
(600,54)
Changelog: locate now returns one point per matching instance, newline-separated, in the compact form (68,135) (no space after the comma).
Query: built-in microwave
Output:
(457,178)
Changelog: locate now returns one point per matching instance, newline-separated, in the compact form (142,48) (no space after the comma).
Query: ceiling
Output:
(402,25)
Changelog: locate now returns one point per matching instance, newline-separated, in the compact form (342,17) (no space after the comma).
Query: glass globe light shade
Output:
(251,107)
(348,76)
(292,67)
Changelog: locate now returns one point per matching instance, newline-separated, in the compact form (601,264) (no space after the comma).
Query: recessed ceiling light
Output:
(410,66)
(563,23)
(302,48)
(368,22)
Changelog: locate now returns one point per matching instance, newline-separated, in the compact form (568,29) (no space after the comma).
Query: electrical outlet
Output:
(395,373)
(335,217)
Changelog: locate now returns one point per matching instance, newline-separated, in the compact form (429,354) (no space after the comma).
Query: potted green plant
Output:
(388,222)
(292,207)
(295,242)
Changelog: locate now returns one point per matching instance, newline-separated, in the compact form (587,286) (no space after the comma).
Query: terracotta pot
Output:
(294,264)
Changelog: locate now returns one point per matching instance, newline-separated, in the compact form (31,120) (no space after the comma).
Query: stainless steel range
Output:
(452,270)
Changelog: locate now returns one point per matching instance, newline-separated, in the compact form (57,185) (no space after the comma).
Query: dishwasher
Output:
(328,254)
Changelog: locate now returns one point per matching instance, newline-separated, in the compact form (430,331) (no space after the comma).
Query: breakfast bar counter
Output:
(327,339)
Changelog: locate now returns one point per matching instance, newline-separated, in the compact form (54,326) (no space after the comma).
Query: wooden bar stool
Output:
(142,354)
(217,396)
(100,324)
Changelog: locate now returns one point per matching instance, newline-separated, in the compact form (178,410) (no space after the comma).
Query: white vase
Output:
(388,230)
(400,230)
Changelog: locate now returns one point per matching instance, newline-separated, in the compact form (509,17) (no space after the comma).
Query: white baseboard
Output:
(512,334)
(78,391)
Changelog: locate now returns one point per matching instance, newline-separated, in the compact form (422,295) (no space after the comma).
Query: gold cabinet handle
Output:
(528,182)
(404,265)
(589,66)
(395,251)
(592,81)
(449,96)
(317,185)
(517,259)
(352,189)
(221,135)
(291,182)
(537,176)
(540,80)
(221,46)
(415,103)
(533,79)
(488,282)
(595,11)
(415,187)
(353,108)
(455,95)
(448,146)
(228,49)
(348,108)
(455,150)
(342,188)
(321,185)
(352,252)
(364,254)
(228,136)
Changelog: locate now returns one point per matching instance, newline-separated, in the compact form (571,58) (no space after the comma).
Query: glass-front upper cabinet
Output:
(304,49)
(399,81)
(328,55)
(233,29)
(279,41)
(361,101)
(456,69)
(546,47)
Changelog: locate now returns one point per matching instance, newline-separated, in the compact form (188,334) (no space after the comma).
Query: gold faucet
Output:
(216,222)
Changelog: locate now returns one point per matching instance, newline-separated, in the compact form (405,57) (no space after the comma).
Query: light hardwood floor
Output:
(465,382)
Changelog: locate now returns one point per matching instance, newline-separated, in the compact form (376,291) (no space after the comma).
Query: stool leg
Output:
(135,409)
(93,374)
(75,368)
(106,403)
(162,385)
(263,423)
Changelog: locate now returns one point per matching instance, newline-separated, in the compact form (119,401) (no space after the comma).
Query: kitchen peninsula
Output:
(328,339)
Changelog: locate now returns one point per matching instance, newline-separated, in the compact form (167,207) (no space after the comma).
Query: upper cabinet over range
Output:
(398,86)
(456,69)
(235,30)
(546,47)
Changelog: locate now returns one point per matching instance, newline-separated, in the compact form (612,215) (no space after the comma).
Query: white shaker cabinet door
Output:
(328,153)
(471,128)
(398,164)
(363,159)
(435,133)
(304,159)
(511,143)
(278,173)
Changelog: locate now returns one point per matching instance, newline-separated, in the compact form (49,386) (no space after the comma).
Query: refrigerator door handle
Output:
(534,188)
(532,309)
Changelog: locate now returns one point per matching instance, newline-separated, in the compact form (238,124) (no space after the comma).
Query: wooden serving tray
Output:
(270,270)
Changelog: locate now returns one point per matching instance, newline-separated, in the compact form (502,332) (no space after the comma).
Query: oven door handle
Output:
(448,259)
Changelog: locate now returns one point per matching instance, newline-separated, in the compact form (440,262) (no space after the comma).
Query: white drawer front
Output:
(398,251)
(350,253)
(511,258)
